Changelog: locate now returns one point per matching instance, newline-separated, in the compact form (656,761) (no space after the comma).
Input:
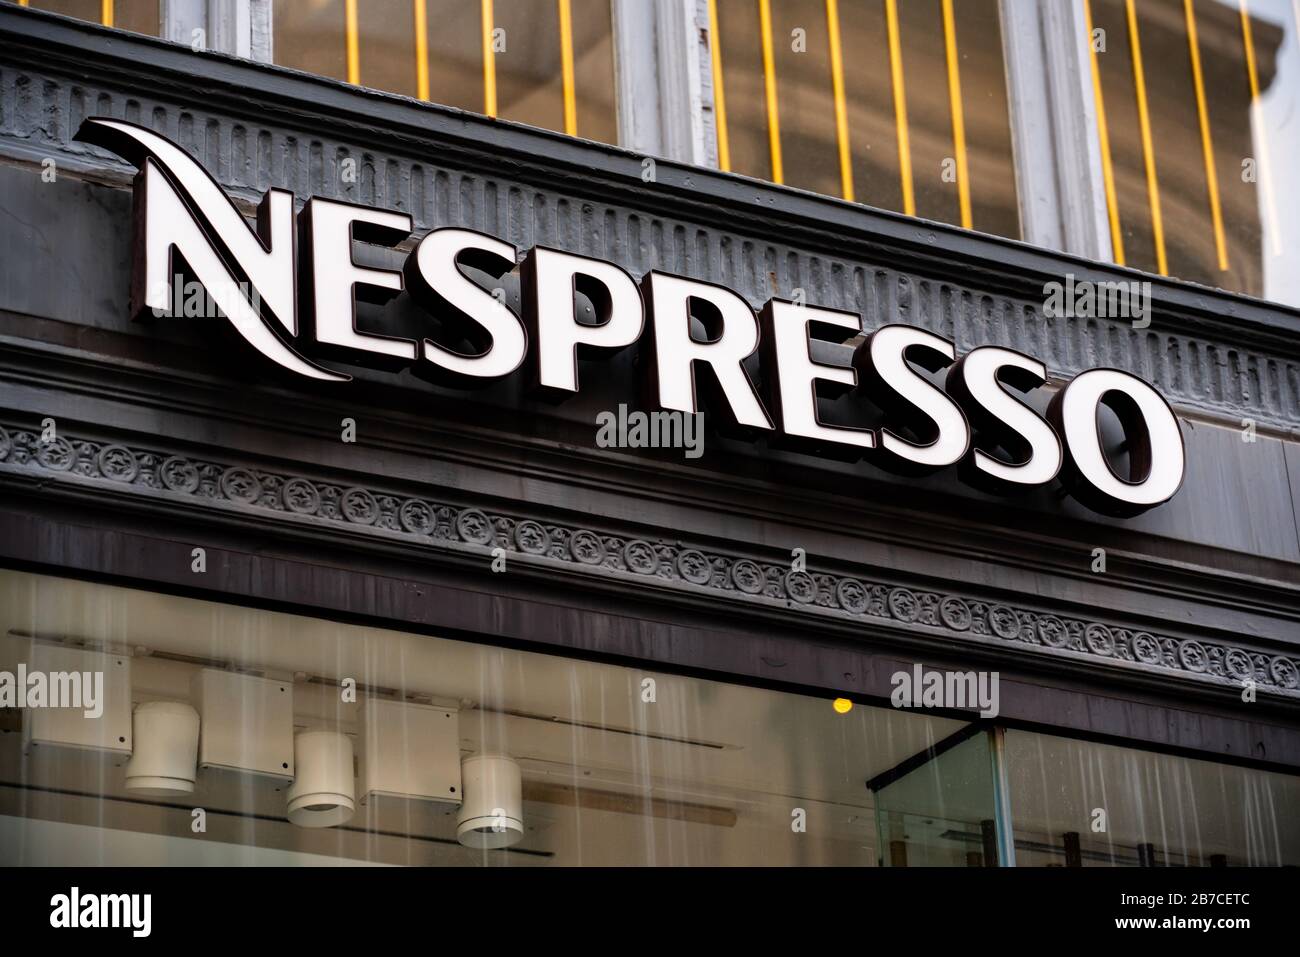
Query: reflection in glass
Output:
(1081,804)
(936,809)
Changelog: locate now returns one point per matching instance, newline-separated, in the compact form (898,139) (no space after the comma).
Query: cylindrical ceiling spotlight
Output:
(492,814)
(322,794)
(165,748)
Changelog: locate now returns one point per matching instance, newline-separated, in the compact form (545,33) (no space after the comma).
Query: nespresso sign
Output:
(307,284)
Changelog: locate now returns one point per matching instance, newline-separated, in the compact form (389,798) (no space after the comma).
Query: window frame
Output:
(663,65)
(237,27)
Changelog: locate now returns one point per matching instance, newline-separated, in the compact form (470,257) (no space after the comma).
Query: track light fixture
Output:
(165,749)
(323,793)
(492,814)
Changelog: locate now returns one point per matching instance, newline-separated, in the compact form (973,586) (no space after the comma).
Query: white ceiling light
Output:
(166,748)
(323,793)
(492,815)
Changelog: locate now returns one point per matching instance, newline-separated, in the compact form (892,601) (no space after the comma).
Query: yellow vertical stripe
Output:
(1148,147)
(719,95)
(1207,146)
(958,120)
(489,60)
(1103,136)
(566,68)
(769,90)
(22,3)
(421,49)
(106,12)
(354,51)
(1265,161)
(900,107)
(841,105)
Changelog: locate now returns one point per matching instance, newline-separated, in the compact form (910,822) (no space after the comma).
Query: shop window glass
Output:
(1081,804)
(937,810)
(613,770)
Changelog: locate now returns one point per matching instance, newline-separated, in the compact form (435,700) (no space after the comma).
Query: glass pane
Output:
(806,108)
(873,123)
(978,38)
(740,50)
(138,16)
(526,39)
(937,808)
(310,35)
(1200,194)
(593,70)
(611,769)
(929,113)
(455,32)
(937,59)
(524,82)
(386,46)
(1080,804)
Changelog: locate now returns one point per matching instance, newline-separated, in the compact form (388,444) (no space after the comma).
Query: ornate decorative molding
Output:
(740,578)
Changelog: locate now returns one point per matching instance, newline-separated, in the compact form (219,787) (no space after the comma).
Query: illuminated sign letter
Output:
(181,210)
(697,324)
(795,380)
(552,281)
(1152,437)
(978,382)
(478,317)
(940,435)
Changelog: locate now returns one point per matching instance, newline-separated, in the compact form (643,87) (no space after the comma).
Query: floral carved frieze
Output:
(740,578)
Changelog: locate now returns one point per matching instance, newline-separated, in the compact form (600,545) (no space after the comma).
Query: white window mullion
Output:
(1054,127)
(636,71)
(260,34)
(238,27)
(186,21)
(230,24)
(685,81)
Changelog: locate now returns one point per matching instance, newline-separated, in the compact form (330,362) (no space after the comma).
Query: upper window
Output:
(548,63)
(893,104)
(1195,104)
(1198,102)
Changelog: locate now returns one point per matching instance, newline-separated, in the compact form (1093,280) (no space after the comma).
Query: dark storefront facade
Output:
(407,621)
